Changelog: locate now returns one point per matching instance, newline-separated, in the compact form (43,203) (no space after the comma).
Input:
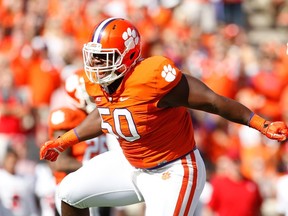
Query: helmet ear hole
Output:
(132,55)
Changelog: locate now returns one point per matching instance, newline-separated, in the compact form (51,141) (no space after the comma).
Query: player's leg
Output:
(93,211)
(68,210)
(102,211)
(105,180)
(173,189)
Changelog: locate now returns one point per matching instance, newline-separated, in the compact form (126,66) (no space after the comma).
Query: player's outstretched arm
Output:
(192,93)
(89,128)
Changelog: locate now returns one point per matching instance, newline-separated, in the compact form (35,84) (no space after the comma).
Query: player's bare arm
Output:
(192,93)
(90,127)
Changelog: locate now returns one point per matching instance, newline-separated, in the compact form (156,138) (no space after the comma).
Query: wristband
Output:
(76,134)
(257,122)
(69,138)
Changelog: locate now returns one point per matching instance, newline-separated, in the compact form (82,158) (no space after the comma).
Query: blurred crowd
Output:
(41,45)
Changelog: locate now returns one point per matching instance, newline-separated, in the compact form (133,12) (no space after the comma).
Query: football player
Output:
(143,103)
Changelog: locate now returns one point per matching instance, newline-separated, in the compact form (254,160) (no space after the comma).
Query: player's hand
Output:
(51,149)
(275,130)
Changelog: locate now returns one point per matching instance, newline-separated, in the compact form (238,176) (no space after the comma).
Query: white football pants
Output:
(109,180)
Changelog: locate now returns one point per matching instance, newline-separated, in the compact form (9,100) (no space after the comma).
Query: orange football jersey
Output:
(149,136)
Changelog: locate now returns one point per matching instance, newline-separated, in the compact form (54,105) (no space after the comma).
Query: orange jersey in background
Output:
(66,119)
(84,151)
(131,114)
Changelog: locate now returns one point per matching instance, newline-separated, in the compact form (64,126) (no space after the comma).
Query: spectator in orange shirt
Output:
(43,80)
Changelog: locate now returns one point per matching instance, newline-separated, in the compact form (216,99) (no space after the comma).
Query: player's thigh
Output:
(174,189)
(105,180)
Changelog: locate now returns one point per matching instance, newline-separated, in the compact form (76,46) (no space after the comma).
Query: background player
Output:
(63,119)
(143,102)
(60,121)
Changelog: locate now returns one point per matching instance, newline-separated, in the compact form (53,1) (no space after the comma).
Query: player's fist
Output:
(50,150)
(275,130)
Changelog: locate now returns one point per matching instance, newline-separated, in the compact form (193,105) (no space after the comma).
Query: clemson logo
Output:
(166,175)
(168,73)
(131,38)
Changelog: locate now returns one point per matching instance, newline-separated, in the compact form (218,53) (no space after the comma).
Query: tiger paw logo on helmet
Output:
(131,38)
(169,73)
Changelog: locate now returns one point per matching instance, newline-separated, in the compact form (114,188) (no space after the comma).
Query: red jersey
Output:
(235,198)
(10,124)
(149,136)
